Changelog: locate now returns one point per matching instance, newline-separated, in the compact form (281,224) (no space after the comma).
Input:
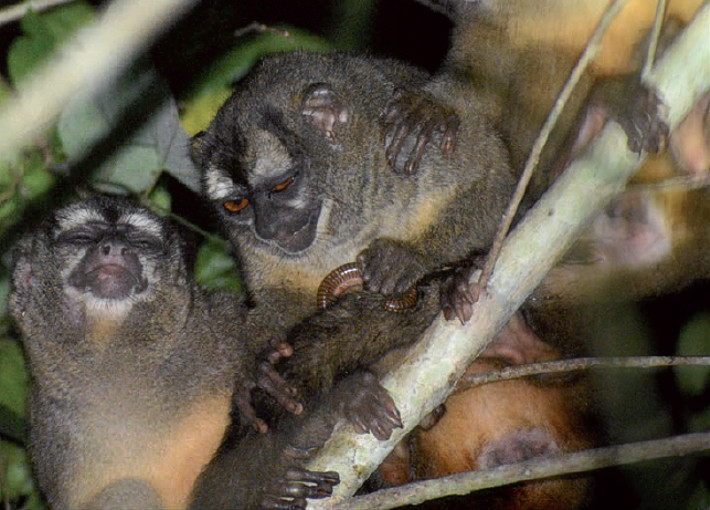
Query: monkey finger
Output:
(280,350)
(296,474)
(278,388)
(269,502)
(397,135)
(450,137)
(267,371)
(425,134)
(299,453)
(242,399)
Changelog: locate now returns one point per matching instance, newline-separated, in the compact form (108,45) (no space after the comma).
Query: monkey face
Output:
(101,255)
(292,154)
(109,250)
(274,204)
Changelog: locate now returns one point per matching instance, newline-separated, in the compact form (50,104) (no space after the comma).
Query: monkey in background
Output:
(643,243)
(134,369)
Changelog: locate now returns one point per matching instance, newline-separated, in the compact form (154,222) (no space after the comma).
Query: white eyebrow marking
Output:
(218,184)
(271,157)
(142,222)
(75,216)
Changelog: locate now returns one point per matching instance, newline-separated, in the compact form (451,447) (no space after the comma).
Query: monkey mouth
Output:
(110,281)
(302,238)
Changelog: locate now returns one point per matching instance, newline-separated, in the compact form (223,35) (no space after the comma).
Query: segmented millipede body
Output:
(348,275)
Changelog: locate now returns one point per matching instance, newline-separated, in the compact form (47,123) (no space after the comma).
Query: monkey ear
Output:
(197,147)
(22,277)
(325,110)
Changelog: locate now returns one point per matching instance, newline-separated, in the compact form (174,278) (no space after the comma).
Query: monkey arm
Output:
(352,334)
(267,471)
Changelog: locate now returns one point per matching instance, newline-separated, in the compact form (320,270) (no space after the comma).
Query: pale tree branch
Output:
(17,11)
(590,52)
(93,59)
(425,378)
(576,364)
(534,469)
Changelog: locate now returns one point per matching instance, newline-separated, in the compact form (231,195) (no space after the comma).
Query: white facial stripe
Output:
(271,157)
(219,185)
(74,217)
(142,222)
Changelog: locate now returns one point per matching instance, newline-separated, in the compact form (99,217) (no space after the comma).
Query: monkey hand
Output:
(367,406)
(389,268)
(411,120)
(458,295)
(641,120)
(297,483)
(273,383)
(269,380)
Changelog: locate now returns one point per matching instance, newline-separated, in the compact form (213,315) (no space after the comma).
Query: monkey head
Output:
(291,161)
(96,258)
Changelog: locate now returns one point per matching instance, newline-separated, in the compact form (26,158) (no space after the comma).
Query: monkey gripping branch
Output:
(426,376)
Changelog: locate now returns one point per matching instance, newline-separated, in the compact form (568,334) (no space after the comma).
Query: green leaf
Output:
(202,108)
(700,499)
(694,339)
(215,86)
(161,199)
(42,35)
(13,377)
(18,473)
(4,91)
(157,142)
(36,179)
(215,269)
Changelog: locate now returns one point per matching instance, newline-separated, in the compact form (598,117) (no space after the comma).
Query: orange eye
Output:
(236,205)
(283,185)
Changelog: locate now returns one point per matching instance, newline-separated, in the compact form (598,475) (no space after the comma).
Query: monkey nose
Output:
(113,247)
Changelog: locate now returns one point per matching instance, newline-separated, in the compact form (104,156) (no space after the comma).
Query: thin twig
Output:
(256,27)
(179,219)
(653,38)
(588,55)
(445,7)
(570,365)
(533,469)
(679,183)
(17,11)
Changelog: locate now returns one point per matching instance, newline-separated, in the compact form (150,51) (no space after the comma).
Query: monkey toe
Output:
(411,120)
(458,295)
(645,129)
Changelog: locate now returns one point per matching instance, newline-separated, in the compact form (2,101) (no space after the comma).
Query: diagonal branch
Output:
(426,376)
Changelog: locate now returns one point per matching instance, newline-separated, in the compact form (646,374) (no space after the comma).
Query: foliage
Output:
(133,138)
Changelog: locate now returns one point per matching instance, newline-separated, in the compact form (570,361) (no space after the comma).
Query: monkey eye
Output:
(282,186)
(235,206)
(145,242)
(78,237)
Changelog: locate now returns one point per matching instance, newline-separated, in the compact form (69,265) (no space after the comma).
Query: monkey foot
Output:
(412,120)
(367,406)
(297,485)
